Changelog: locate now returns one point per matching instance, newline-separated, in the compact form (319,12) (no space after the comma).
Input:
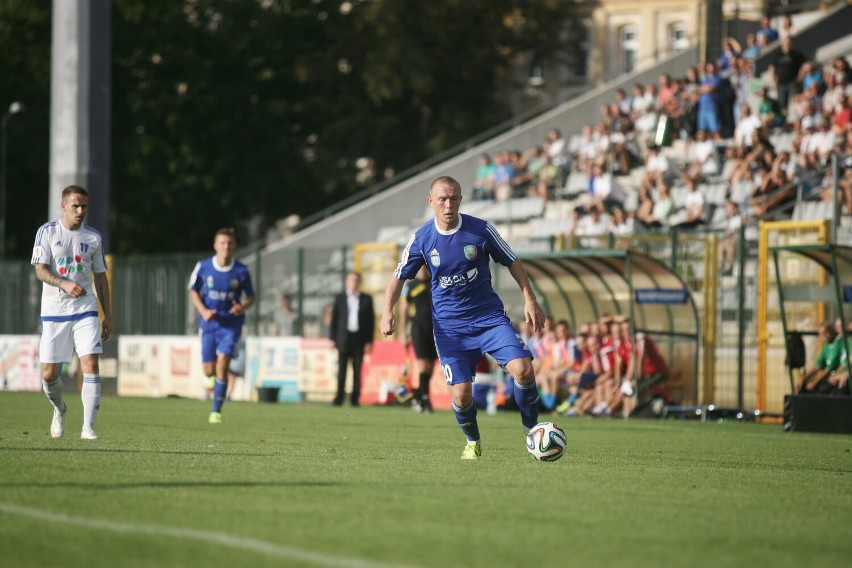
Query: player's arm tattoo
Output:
(43,273)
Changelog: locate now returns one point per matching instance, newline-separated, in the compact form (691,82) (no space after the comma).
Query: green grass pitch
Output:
(312,485)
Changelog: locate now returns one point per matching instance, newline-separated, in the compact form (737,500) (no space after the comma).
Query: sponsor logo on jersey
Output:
(458,280)
(435,258)
(68,265)
(470,252)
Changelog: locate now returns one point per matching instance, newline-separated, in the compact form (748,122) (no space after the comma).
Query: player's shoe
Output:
(57,425)
(564,407)
(472,451)
(416,406)
(215,418)
(426,404)
(88,434)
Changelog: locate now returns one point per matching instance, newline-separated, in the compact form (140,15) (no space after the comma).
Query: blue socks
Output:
(466,418)
(526,397)
(220,389)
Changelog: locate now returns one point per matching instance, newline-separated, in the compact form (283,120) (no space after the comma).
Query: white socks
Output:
(91,396)
(53,390)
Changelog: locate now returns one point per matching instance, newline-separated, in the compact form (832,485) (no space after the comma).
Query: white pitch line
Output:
(211,537)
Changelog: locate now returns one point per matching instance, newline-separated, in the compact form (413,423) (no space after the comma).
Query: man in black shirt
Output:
(785,71)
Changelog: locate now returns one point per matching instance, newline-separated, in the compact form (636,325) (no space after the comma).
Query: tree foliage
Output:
(226,111)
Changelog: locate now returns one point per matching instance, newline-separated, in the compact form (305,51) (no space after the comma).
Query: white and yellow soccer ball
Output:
(546,441)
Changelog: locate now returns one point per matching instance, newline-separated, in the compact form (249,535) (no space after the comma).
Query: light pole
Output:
(14,108)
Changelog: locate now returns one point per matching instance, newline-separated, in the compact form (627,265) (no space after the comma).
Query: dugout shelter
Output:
(583,285)
(823,286)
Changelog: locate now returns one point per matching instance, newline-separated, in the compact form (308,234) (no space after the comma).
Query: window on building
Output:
(677,37)
(629,46)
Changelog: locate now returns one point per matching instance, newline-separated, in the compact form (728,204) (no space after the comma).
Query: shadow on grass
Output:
(167,484)
(127,451)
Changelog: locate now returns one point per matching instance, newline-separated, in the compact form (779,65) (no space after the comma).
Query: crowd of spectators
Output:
(601,370)
(768,140)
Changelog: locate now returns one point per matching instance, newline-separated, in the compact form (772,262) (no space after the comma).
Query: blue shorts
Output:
(708,121)
(461,346)
(219,339)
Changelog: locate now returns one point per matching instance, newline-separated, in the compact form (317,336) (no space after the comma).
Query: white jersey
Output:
(71,255)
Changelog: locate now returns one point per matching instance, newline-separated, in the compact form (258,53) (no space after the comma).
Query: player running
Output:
(216,289)
(468,316)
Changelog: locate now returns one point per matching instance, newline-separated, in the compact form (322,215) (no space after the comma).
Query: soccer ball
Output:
(546,441)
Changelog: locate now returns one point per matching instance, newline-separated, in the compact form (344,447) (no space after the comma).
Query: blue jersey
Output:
(458,260)
(219,288)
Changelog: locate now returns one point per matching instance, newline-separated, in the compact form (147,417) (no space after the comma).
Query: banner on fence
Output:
(20,369)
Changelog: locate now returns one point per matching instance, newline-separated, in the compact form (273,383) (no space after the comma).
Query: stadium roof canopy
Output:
(583,285)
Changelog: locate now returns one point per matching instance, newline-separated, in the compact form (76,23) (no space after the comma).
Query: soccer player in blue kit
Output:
(468,317)
(216,289)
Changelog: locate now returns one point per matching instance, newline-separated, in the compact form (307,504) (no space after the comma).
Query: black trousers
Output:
(353,351)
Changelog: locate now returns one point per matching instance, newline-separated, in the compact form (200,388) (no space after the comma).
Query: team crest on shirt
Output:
(470,252)
(210,282)
(435,258)
(234,283)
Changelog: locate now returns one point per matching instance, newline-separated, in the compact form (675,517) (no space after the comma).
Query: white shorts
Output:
(59,339)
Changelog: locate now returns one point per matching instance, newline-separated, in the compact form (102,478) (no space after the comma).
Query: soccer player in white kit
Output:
(67,254)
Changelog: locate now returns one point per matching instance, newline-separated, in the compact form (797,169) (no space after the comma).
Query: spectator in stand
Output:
(785,71)
(483,185)
(557,148)
(747,125)
(604,191)
(620,138)
(769,110)
(773,194)
(810,75)
(529,165)
(620,223)
(833,96)
(708,105)
(740,80)
(668,100)
(730,237)
(504,173)
(644,207)
(766,31)
(592,228)
(644,108)
(549,178)
(587,151)
(730,51)
(820,145)
(694,204)
(660,211)
(752,49)
(577,215)
(844,187)
(689,96)
(624,102)
(703,156)
(656,168)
